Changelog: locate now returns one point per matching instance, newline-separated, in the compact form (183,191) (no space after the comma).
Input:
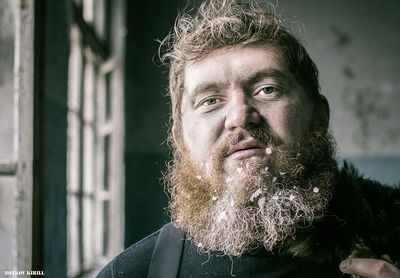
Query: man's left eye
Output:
(268,90)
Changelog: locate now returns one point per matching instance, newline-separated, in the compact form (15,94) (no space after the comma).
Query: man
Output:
(255,189)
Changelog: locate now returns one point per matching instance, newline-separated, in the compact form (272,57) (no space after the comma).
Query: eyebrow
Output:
(254,78)
(206,86)
(260,75)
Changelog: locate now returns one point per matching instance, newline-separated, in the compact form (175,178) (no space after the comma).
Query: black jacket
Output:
(362,220)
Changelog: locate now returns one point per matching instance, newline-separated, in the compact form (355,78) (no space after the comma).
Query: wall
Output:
(355,46)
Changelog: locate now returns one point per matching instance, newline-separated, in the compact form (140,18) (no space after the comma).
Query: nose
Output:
(241,113)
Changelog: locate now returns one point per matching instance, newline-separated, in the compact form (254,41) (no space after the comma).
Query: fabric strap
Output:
(167,253)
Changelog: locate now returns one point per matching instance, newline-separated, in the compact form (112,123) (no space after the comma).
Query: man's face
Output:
(252,169)
(233,90)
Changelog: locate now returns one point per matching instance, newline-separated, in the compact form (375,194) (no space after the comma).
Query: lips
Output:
(246,147)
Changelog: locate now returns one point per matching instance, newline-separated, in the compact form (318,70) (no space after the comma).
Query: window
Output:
(95,138)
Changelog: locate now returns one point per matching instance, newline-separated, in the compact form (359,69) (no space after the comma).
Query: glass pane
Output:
(108,12)
(89,89)
(88,231)
(75,71)
(103,19)
(7,79)
(88,10)
(106,168)
(88,159)
(99,18)
(7,222)
(73,235)
(108,101)
(106,223)
(73,149)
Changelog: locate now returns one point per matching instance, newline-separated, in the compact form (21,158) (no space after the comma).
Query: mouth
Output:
(246,148)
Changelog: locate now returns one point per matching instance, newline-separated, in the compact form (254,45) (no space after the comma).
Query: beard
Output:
(266,201)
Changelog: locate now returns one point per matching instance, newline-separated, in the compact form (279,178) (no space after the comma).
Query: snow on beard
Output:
(262,203)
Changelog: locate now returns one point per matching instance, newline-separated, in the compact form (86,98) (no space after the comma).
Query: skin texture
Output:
(236,87)
(370,268)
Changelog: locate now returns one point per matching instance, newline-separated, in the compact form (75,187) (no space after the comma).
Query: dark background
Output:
(147,116)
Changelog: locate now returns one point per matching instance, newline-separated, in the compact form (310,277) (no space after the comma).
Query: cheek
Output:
(195,135)
(200,135)
(189,131)
(289,121)
(298,121)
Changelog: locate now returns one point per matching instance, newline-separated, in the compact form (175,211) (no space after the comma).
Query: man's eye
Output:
(268,90)
(210,101)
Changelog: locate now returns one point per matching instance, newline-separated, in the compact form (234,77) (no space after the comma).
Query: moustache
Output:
(258,135)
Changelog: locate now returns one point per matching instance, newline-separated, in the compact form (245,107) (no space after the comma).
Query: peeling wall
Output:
(355,45)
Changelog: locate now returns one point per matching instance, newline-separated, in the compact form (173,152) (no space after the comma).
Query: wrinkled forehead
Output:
(238,64)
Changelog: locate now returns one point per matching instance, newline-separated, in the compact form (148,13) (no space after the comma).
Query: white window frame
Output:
(87,228)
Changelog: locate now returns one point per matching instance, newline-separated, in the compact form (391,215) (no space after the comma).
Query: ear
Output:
(323,113)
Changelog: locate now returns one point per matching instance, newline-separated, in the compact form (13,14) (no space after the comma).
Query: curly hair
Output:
(223,23)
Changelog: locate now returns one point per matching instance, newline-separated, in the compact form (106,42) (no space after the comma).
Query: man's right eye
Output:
(209,102)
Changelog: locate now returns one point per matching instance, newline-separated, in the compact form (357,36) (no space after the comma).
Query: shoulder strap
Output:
(167,253)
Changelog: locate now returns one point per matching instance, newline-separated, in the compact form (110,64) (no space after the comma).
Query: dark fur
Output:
(362,221)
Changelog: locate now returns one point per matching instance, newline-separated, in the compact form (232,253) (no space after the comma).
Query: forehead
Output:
(235,64)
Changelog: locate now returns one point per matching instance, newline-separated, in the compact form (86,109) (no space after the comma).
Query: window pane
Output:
(88,224)
(108,91)
(106,164)
(108,12)
(99,18)
(73,235)
(75,71)
(89,89)
(88,159)
(73,149)
(7,79)
(88,10)
(106,223)
(7,223)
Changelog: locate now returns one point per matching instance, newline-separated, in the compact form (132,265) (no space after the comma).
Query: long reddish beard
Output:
(272,199)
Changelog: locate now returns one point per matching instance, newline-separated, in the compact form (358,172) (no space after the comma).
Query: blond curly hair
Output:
(223,23)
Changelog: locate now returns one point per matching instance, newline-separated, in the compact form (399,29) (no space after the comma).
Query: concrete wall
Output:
(355,45)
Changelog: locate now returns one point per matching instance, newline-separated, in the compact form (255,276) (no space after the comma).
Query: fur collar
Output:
(362,220)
